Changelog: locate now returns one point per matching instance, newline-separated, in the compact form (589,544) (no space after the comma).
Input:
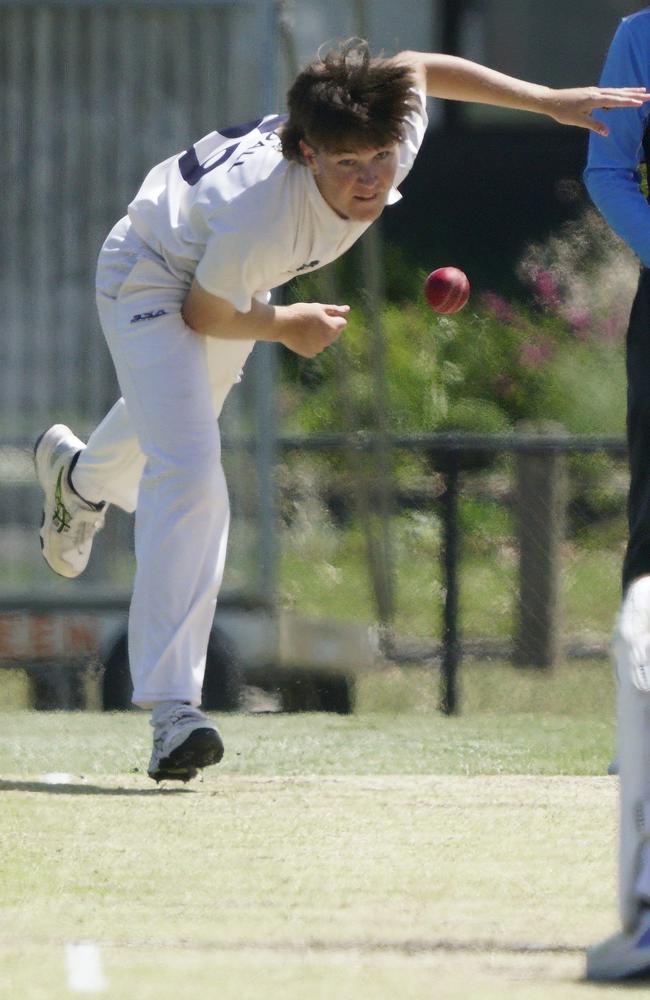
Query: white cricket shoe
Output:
(69,523)
(622,956)
(184,740)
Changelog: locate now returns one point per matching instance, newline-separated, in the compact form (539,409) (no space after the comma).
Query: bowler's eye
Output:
(383,154)
(347,163)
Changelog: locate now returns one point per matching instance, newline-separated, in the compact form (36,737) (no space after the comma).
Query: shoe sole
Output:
(35,450)
(38,441)
(66,572)
(614,960)
(620,974)
(44,451)
(202,748)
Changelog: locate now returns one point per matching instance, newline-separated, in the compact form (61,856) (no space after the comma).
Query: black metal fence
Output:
(448,546)
(559,500)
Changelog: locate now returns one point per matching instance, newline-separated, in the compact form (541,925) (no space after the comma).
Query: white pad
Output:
(634,631)
(643,878)
(631,641)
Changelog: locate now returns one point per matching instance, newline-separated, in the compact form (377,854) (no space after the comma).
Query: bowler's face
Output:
(354,183)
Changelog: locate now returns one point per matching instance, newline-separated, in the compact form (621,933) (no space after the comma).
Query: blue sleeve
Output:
(612,175)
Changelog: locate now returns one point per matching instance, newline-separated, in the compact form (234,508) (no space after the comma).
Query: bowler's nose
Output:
(367,176)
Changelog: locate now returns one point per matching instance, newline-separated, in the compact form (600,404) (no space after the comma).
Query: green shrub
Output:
(555,356)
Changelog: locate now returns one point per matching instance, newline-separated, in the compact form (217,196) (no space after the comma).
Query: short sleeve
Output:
(627,65)
(415,130)
(235,266)
(612,175)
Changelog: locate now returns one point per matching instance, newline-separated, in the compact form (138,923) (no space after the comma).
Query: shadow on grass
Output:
(79,789)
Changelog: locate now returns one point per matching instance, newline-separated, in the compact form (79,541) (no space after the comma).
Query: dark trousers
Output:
(637,556)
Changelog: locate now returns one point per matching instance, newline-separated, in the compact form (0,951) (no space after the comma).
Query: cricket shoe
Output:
(622,956)
(69,523)
(184,740)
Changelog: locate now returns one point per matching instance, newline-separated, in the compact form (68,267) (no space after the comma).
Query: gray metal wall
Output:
(92,95)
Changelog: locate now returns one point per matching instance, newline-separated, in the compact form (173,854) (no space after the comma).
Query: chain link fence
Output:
(492,547)
(92,94)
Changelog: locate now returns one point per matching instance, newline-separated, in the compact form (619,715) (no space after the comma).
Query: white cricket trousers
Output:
(158,452)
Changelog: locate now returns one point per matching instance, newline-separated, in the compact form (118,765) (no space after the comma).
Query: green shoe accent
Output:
(61,516)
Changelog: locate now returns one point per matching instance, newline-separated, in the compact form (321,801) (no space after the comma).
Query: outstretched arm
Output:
(459,79)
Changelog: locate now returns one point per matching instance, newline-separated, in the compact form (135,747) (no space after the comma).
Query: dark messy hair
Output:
(348,100)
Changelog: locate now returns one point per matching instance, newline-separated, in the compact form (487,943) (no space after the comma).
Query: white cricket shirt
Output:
(232,210)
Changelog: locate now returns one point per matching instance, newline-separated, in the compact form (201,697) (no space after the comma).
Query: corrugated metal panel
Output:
(93,95)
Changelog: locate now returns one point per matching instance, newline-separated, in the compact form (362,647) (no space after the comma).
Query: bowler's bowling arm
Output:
(216,317)
(306,328)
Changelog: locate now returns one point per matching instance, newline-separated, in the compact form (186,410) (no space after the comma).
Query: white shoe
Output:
(69,523)
(184,740)
(622,956)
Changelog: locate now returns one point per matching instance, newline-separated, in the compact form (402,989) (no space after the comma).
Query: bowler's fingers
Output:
(608,99)
(336,327)
(337,310)
(598,127)
(329,335)
(338,319)
(621,97)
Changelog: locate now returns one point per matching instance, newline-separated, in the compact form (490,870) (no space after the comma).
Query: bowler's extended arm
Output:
(457,79)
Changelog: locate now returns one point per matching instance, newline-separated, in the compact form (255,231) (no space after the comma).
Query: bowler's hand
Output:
(307,328)
(574,106)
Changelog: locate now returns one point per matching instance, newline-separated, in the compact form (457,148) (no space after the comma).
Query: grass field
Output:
(327,857)
(324,573)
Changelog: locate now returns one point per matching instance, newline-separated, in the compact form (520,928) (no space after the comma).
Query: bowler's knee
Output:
(192,472)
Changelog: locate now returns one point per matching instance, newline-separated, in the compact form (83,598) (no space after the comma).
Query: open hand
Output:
(574,106)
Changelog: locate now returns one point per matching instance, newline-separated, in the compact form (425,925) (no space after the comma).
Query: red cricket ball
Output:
(447,289)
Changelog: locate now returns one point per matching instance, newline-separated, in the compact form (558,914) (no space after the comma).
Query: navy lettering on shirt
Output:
(192,170)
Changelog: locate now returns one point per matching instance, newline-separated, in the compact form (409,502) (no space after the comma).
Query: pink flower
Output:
(535,353)
(498,306)
(613,327)
(546,289)
(580,322)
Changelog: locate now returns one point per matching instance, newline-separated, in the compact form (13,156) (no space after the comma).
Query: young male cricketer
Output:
(613,180)
(183,294)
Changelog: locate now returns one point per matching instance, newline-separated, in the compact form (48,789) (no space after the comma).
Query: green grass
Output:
(352,857)
(312,886)
(592,589)
(323,573)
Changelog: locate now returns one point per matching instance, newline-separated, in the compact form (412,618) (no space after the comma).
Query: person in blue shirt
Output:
(613,179)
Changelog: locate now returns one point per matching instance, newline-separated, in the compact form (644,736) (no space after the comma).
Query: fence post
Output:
(541,505)
(450,553)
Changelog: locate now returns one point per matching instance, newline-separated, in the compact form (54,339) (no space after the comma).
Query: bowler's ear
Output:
(308,154)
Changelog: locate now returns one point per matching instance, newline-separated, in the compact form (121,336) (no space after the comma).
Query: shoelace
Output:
(186,713)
